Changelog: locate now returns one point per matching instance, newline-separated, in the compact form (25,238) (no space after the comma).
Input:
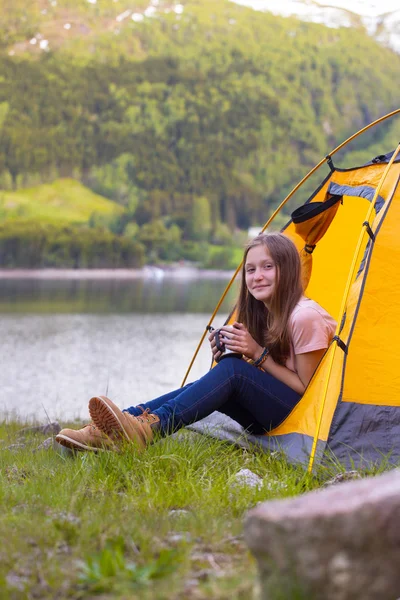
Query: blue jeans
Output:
(253,398)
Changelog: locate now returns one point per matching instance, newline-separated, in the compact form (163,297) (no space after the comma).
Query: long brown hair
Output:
(270,327)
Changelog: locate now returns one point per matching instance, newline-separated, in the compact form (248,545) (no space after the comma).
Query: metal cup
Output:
(221,345)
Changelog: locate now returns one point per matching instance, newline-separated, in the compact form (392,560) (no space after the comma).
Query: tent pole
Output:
(344,302)
(210,321)
(272,217)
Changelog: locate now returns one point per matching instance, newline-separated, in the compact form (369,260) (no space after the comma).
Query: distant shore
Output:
(148,272)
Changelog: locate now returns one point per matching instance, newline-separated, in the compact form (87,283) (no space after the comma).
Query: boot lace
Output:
(147,416)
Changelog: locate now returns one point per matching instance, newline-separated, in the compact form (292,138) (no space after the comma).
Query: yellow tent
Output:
(351,266)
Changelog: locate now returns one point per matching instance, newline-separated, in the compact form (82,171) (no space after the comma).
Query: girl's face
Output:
(261,274)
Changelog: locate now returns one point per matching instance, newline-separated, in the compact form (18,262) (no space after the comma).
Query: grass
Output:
(166,524)
(87,525)
(64,200)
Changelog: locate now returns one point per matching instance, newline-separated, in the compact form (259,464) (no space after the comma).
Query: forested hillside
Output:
(197,117)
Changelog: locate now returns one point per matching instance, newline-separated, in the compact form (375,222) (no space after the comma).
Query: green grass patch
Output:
(164,524)
(64,200)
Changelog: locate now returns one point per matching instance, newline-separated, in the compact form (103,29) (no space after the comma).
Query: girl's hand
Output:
(215,352)
(241,341)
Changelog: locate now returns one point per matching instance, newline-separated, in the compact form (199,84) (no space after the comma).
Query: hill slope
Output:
(162,103)
(63,201)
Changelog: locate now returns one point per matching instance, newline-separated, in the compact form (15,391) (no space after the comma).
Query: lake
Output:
(63,341)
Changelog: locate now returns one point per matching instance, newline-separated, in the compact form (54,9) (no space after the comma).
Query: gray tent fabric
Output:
(362,191)
(222,427)
(358,431)
(295,446)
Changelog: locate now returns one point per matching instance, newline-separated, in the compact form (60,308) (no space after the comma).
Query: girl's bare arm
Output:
(241,341)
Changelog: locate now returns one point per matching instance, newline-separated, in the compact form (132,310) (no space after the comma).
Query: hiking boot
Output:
(116,424)
(89,438)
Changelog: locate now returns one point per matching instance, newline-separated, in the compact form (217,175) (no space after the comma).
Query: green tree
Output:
(200,225)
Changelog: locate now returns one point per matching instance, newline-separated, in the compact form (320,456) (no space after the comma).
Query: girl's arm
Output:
(241,341)
(306,365)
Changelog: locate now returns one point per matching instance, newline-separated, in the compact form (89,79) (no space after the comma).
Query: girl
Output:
(281,336)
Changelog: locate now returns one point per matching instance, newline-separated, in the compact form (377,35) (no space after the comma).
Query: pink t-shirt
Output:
(312,328)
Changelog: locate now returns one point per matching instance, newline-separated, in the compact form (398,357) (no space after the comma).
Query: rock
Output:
(245,477)
(178,512)
(65,517)
(48,429)
(46,445)
(16,447)
(177,538)
(17,582)
(337,543)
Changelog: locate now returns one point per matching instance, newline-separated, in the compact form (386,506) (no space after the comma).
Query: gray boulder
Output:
(48,444)
(338,543)
(246,478)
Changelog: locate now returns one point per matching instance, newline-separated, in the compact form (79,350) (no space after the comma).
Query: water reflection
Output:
(64,341)
(113,296)
(53,364)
